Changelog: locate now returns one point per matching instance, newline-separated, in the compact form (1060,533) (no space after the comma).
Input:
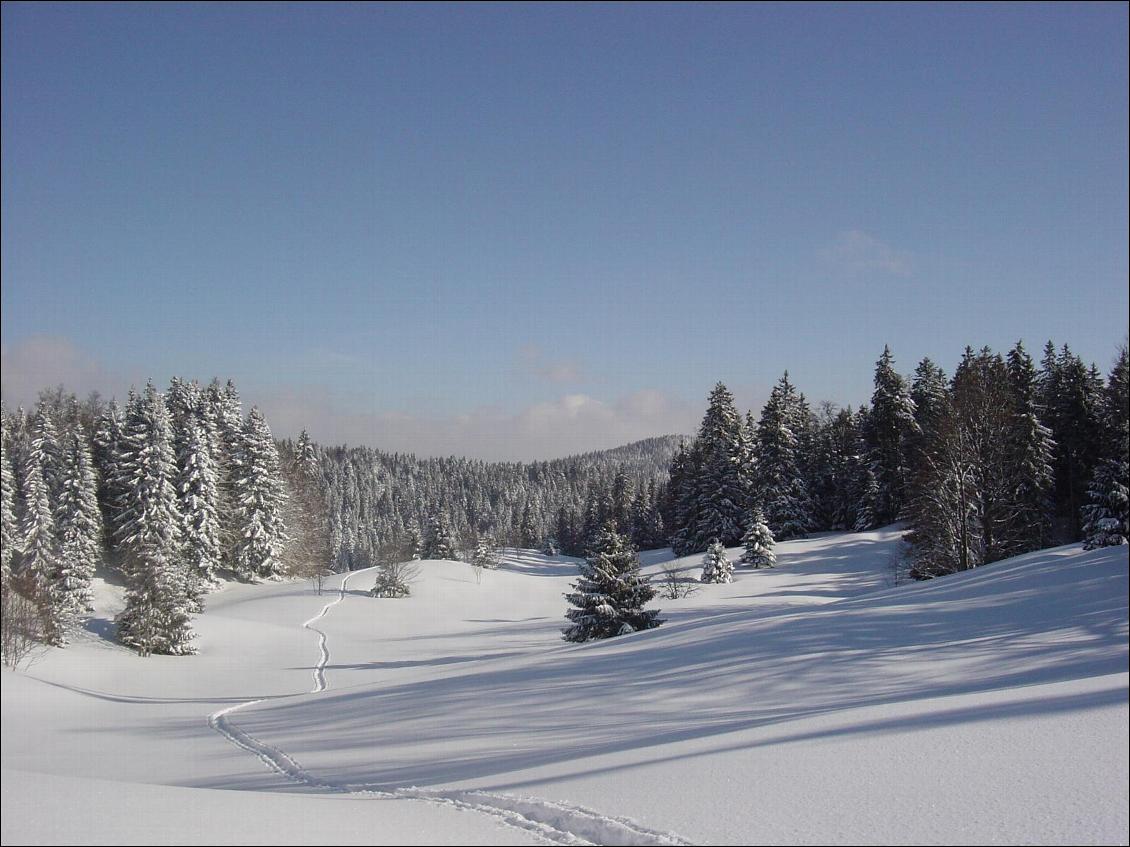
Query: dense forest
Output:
(174,490)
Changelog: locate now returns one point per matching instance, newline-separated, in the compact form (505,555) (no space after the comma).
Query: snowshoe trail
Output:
(549,821)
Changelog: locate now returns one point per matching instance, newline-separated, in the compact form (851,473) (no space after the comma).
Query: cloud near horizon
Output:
(857,251)
(563,426)
(46,361)
(533,360)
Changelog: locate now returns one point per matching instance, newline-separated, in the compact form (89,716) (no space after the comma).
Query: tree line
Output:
(168,491)
(1003,458)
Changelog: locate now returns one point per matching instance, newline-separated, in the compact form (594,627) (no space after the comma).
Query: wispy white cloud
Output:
(857,251)
(533,359)
(568,424)
(45,361)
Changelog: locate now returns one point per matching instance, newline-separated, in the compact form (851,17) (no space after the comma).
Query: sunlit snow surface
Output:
(815,702)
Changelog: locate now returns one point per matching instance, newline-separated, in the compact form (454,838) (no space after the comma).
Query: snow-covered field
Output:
(813,703)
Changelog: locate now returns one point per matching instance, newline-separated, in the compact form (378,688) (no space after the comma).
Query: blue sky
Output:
(517,231)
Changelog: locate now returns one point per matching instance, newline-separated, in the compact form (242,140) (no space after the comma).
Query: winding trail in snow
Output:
(547,820)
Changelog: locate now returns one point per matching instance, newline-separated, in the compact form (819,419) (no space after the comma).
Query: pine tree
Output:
(438,543)
(719,485)
(78,522)
(1107,513)
(758,542)
(150,534)
(413,543)
(108,468)
(9,528)
(198,498)
(260,500)
(222,416)
(486,554)
(1077,430)
(716,568)
(609,597)
(781,486)
(891,421)
(39,547)
(1030,455)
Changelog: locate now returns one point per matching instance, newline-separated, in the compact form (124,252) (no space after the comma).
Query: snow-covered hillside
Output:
(816,702)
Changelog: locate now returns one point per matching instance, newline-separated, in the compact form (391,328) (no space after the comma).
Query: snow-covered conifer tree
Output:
(260,497)
(150,534)
(438,543)
(413,543)
(485,554)
(609,597)
(780,482)
(78,523)
(1030,457)
(1106,517)
(720,488)
(198,498)
(758,542)
(890,422)
(39,543)
(9,528)
(716,568)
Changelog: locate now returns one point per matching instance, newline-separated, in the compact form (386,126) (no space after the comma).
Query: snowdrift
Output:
(815,702)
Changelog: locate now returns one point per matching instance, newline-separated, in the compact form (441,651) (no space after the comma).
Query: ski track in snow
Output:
(549,821)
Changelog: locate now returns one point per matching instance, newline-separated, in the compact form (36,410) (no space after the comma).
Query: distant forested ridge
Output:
(374,498)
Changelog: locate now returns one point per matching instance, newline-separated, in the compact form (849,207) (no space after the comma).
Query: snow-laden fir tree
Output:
(413,541)
(890,422)
(780,483)
(758,541)
(716,568)
(107,435)
(306,456)
(222,416)
(9,528)
(156,618)
(1106,517)
(438,543)
(39,543)
(259,497)
(198,497)
(608,598)
(1030,457)
(486,554)
(1075,418)
(78,524)
(721,486)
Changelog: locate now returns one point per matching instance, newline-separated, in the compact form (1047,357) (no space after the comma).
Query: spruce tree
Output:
(1030,455)
(78,522)
(891,421)
(486,554)
(198,497)
(758,542)
(1077,430)
(9,527)
(260,498)
(39,544)
(1107,512)
(608,598)
(438,543)
(716,568)
(720,489)
(413,543)
(150,534)
(781,486)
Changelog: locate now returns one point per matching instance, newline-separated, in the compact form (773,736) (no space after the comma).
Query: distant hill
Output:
(375,497)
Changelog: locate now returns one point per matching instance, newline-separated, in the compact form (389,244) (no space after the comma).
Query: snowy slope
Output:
(813,702)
